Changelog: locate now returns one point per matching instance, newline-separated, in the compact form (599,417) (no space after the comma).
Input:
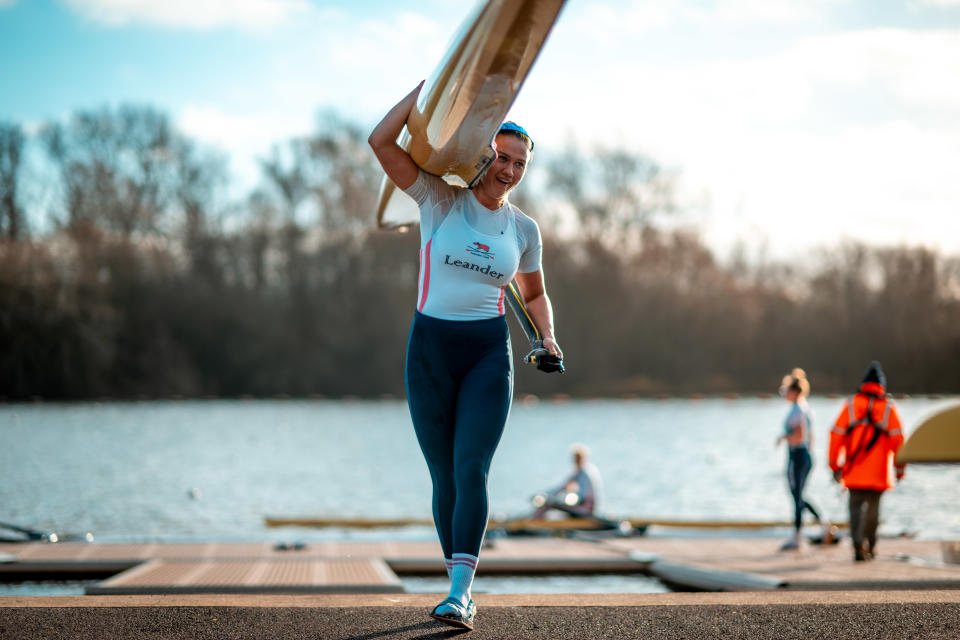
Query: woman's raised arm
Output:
(383,140)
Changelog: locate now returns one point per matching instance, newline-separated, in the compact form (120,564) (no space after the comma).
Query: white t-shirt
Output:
(799,416)
(468,253)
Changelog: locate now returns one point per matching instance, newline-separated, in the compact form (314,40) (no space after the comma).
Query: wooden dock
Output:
(710,563)
(756,563)
(237,576)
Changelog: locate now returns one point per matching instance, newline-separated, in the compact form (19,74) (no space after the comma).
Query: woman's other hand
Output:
(551,345)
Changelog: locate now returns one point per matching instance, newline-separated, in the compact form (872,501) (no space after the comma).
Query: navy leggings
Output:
(459,377)
(798,468)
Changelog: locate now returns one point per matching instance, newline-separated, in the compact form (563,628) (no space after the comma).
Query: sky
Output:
(792,124)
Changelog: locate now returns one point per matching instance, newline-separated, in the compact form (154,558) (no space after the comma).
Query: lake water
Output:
(125,471)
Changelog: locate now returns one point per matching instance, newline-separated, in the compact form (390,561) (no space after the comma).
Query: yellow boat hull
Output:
(935,440)
(461,106)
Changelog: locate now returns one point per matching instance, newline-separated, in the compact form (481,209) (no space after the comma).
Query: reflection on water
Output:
(601,583)
(214,469)
(45,588)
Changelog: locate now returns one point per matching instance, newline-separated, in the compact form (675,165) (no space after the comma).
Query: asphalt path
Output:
(932,615)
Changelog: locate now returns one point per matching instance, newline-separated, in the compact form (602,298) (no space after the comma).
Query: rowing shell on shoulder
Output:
(450,131)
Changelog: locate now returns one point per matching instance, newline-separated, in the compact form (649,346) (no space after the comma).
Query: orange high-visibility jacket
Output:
(866,467)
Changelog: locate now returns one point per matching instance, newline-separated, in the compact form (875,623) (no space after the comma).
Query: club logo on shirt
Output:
(463,264)
(480,250)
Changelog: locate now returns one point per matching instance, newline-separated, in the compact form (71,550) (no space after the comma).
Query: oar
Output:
(624,527)
(46,536)
(537,352)
(578,522)
(32,534)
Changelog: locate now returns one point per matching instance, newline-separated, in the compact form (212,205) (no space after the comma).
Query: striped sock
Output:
(462,568)
(448,563)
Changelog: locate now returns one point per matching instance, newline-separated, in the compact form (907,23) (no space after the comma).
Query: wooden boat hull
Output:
(461,106)
(935,440)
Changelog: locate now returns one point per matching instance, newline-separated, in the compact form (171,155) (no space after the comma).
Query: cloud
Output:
(917,67)
(771,11)
(888,183)
(841,133)
(810,138)
(603,21)
(192,14)
(808,135)
(819,82)
(935,3)
(245,136)
(358,66)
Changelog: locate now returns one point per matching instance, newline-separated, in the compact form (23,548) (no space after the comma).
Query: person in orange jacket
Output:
(865,437)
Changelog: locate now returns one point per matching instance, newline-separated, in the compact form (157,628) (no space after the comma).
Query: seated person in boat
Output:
(579,494)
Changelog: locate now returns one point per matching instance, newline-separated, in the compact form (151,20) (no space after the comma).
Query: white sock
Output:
(462,568)
(447,562)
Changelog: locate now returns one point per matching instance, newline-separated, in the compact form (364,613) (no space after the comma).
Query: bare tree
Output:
(11,150)
(285,169)
(198,178)
(613,191)
(343,175)
(320,303)
(116,167)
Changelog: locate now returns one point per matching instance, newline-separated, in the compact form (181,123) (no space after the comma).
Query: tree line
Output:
(139,273)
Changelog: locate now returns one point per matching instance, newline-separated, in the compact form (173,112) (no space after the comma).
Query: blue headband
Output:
(513,126)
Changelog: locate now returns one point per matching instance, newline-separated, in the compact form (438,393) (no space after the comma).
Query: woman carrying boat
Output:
(796,433)
(459,375)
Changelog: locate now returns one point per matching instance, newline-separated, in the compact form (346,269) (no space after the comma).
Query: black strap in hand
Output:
(550,363)
(545,361)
